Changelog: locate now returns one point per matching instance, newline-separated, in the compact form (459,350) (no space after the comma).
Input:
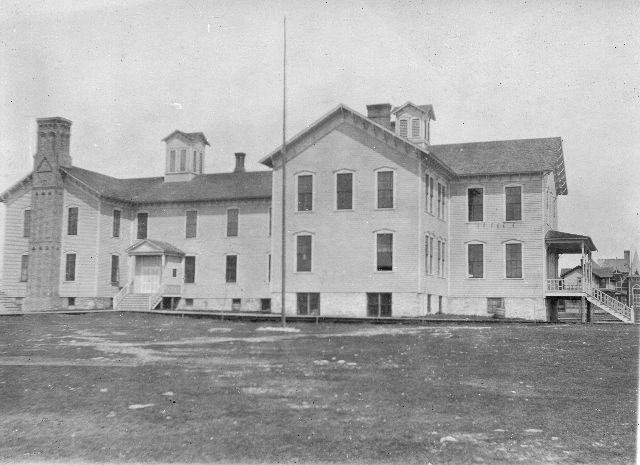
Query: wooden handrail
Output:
(120,295)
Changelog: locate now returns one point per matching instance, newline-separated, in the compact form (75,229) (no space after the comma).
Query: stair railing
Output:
(155,298)
(614,305)
(120,295)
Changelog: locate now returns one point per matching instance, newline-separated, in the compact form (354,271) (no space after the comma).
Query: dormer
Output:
(184,155)
(412,122)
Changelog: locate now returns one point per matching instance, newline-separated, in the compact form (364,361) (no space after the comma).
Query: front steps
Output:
(597,316)
(8,304)
(134,302)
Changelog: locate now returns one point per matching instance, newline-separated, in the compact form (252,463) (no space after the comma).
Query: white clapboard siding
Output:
(110,245)
(15,245)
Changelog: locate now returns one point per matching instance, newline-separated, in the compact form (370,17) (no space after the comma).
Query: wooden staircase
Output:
(132,302)
(610,305)
(8,304)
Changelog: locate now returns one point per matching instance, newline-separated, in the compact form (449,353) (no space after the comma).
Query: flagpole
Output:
(284,178)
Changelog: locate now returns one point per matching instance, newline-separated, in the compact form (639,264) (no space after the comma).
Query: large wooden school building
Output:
(379,222)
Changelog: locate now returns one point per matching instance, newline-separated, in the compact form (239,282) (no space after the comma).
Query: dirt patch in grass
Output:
(224,392)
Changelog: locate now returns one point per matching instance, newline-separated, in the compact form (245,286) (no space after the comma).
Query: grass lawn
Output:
(207,390)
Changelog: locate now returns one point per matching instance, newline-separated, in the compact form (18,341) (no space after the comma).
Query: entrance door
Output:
(148,269)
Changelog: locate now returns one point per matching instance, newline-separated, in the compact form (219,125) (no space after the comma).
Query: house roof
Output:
(154,246)
(595,269)
(428,109)
(568,243)
(505,157)
(619,264)
(218,186)
(191,136)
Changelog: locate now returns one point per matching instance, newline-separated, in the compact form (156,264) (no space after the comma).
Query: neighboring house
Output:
(619,274)
(379,223)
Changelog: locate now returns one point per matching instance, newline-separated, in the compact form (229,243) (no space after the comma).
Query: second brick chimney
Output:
(239,162)
(380,113)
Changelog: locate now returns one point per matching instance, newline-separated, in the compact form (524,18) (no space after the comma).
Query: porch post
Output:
(584,274)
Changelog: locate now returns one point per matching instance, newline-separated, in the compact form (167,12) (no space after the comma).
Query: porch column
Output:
(584,265)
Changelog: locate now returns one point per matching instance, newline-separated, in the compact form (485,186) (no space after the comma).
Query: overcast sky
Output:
(128,73)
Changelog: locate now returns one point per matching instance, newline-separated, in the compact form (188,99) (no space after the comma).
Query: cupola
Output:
(184,155)
(412,122)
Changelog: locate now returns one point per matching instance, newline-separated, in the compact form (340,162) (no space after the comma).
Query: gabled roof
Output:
(428,109)
(619,264)
(153,247)
(385,135)
(10,194)
(205,187)
(506,157)
(191,136)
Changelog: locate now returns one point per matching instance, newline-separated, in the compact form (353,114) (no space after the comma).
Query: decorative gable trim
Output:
(14,191)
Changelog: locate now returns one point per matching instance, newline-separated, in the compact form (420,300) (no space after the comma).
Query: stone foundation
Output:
(527,308)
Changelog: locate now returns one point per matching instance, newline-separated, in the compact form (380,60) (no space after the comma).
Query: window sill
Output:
(304,211)
(513,279)
(384,208)
(303,272)
(475,279)
(384,271)
(344,209)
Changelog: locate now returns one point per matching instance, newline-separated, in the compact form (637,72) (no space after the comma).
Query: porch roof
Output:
(561,242)
(154,247)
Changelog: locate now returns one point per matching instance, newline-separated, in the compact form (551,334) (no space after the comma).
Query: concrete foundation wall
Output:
(531,308)
(246,304)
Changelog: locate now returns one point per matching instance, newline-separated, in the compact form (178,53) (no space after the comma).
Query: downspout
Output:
(420,183)
(545,254)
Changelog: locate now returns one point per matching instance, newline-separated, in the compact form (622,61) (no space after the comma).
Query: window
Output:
(303,253)
(344,191)
(513,203)
(444,254)
(475,202)
(190,270)
(24,268)
(70,267)
(232,222)
(26,223)
(188,302)
(172,161)
(71,301)
(195,161)
(493,303)
(236,305)
(183,160)
(514,260)
(270,219)
(431,255)
(265,305)
(431,188)
(427,197)
(442,196)
(308,303)
(426,254)
(439,258)
(385,189)
(379,304)
(440,304)
(116,223)
(192,223)
(415,128)
(142,225)
(231,268)
(201,162)
(305,192)
(72,221)
(115,269)
(475,254)
(404,127)
(428,303)
(384,252)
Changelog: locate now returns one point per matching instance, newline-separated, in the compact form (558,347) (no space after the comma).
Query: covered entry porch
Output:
(156,270)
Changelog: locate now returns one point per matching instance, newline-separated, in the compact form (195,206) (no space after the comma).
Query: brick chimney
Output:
(380,113)
(239,162)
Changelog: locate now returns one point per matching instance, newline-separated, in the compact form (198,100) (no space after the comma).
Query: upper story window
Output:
(142,225)
(115,269)
(385,189)
(344,191)
(26,223)
(305,192)
(183,160)
(116,223)
(172,162)
(232,222)
(476,203)
(513,203)
(415,128)
(384,251)
(304,250)
(195,161)
(404,127)
(475,257)
(72,221)
(513,256)
(192,223)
